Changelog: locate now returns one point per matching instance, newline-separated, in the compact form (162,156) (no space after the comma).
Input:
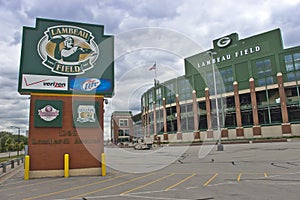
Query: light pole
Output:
(18,137)
(220,145)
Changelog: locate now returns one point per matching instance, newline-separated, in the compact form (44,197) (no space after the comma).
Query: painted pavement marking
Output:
(111,186)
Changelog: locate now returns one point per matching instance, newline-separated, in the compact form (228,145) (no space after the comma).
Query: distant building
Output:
(121,126)
(257,90)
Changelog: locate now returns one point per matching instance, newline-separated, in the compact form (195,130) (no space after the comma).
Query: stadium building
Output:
(253,83)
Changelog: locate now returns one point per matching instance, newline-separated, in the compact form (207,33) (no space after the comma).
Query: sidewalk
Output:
(13,153)
(11,172)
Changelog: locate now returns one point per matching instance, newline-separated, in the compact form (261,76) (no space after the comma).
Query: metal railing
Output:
(11,164)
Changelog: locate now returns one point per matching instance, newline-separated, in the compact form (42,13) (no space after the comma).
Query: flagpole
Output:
(155,74)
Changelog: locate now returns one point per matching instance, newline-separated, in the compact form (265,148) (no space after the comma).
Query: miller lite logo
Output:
(68,50)
(90,84)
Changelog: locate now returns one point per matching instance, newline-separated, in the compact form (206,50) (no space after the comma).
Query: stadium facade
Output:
(257,93)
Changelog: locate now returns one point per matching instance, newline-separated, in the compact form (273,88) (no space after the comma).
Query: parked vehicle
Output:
(145,143)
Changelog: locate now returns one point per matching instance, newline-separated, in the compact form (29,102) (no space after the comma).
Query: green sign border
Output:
(31,62)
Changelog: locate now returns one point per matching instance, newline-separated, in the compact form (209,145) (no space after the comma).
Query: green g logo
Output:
(223,42)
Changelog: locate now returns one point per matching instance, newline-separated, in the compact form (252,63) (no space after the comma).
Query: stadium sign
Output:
(77,55)
(66,51)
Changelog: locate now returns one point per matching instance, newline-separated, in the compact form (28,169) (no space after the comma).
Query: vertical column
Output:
(112,129)
(143,123)
(256,126)
(179,133)
(285,126)
(238,116)
(148,122)
(154,120)
(165,120)
(208,114)
(196,118)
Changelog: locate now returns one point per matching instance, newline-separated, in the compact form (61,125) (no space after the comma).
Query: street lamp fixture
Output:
(220,145)
(18,137)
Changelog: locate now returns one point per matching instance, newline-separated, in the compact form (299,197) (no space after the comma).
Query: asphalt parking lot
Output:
(241,171)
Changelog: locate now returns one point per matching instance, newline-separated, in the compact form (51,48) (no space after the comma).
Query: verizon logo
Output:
(39,82)
(54,84)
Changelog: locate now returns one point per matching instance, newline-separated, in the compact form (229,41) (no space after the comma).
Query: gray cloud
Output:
(182,28)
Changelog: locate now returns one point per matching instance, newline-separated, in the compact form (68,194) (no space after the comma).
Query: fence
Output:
(10,164)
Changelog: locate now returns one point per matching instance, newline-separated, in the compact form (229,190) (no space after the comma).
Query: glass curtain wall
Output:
(292,65)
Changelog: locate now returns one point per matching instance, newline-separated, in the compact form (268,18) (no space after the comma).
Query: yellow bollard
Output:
(103,164)
(66,165)
(26,167)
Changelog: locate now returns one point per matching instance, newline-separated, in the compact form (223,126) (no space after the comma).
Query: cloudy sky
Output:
(146,31)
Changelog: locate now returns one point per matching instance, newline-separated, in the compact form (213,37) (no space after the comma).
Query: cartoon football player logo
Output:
(70,52)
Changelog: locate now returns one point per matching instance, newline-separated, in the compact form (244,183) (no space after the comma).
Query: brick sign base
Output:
(69,124)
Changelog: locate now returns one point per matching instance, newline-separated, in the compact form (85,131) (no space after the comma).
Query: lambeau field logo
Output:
(68,50)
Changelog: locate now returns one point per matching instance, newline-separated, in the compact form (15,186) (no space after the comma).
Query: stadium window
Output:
(245,101)
(247,118)
(276,116)
(230,120)
(143,101)
(297,60)
(264,72)
(292,66)
(170,90)
(294,113)
(158,96)
(230,103)
(263,115)
(185,90)
(227,78)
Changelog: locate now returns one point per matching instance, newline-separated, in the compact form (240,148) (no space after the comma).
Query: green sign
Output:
(229,50)
(86,114)
(48,113)
(66,57)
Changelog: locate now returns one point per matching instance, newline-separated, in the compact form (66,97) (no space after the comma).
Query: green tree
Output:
(19,146)
(19,141)
(9,145)
(3,137)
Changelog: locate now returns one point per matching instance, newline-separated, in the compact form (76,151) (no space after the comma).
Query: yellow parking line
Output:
(31,184)
(111,186)
(183,180)
(142,186)
(210,180)
(239,177)
(75,188)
